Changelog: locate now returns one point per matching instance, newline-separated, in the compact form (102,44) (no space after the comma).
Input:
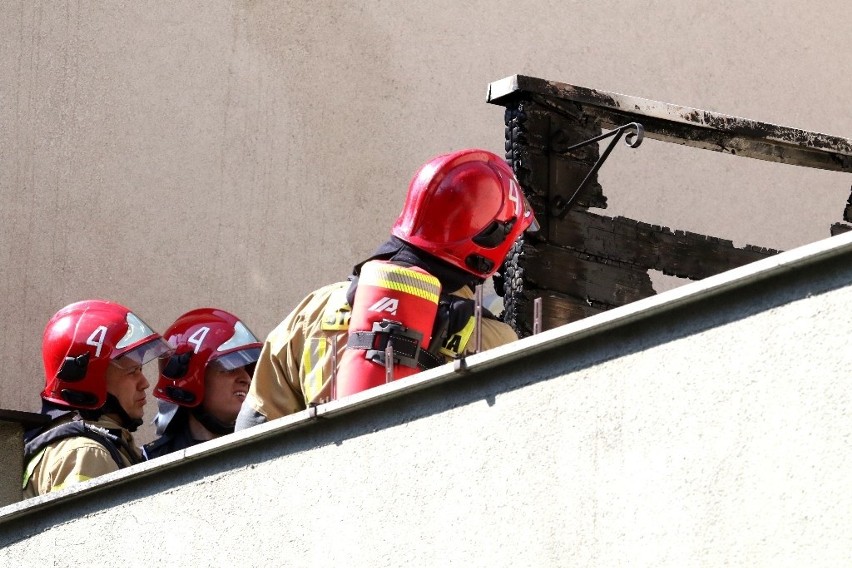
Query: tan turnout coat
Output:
(294,368)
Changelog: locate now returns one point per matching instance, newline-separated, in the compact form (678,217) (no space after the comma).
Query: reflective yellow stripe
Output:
(313,361)
(70,480)
(73,479)
(335,316)
(456,344)
(28,471)
(401,279)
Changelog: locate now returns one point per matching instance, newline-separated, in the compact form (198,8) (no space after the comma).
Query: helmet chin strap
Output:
(212,423)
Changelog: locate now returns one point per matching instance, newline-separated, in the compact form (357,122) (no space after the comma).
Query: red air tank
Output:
(392,302)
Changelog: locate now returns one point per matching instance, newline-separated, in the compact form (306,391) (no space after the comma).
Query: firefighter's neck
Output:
(114,417)
(198,431)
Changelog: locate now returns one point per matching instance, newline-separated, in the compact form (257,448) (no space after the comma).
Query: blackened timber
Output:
(585,262)
(685,125)
(677,253)
(838,228)
(847,212)
(602,281)
(556,309)
(536,142)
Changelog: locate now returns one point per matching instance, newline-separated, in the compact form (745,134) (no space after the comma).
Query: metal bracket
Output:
(536,316)
(559,205)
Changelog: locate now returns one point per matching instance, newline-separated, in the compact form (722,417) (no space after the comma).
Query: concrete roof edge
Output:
(771,267)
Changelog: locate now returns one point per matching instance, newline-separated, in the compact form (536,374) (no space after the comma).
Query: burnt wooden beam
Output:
(677,253)
(610,267)
(556,309)
(838,228)
(683,125)
(582,263)
(598,281)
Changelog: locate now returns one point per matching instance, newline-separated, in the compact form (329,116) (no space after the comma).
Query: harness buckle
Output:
(404,342)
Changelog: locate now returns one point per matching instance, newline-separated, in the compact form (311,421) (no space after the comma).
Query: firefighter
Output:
(462,213)
(94,393)
(204,380)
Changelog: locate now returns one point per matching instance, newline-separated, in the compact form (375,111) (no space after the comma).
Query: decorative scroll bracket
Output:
(559,205)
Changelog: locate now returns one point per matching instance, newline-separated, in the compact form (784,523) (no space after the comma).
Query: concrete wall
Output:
(12,450)
(169,155)
(707,426)
(13,425)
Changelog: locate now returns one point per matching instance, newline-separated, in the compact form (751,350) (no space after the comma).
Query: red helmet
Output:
(199,338)
(467,209)
(78,344)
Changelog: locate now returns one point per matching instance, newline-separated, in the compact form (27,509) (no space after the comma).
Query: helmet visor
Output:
(237,359)
(148,351)
(137,330)
(242,337)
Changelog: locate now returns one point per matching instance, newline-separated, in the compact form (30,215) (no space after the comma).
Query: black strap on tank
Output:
(404,342)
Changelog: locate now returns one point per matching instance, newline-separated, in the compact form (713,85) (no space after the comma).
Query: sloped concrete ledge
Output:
(710,422)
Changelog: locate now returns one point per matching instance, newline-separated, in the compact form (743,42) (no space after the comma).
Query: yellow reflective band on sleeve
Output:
(28,471)
(401,279)
(337,312)
(313,362)
(70,480)
(457,343)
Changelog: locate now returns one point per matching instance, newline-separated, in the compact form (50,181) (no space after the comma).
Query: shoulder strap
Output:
(155,449)
(167,443)
(454,325)
(77,428)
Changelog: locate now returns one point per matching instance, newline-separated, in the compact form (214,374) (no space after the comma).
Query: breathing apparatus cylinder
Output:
(393,304)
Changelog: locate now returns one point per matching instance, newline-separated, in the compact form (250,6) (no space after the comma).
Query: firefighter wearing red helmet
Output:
(462,213)
(204,380)
(467,209)
(94,393)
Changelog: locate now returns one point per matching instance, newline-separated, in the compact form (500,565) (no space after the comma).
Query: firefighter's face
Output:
(126,382)
(224,391)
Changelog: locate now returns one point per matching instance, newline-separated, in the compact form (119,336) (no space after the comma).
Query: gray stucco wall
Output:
(707,426)
(169,155)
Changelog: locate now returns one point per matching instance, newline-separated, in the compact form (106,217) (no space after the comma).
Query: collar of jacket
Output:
(397,250)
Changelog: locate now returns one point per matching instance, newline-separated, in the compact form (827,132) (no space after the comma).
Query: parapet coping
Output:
(24,419)
(771,267)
